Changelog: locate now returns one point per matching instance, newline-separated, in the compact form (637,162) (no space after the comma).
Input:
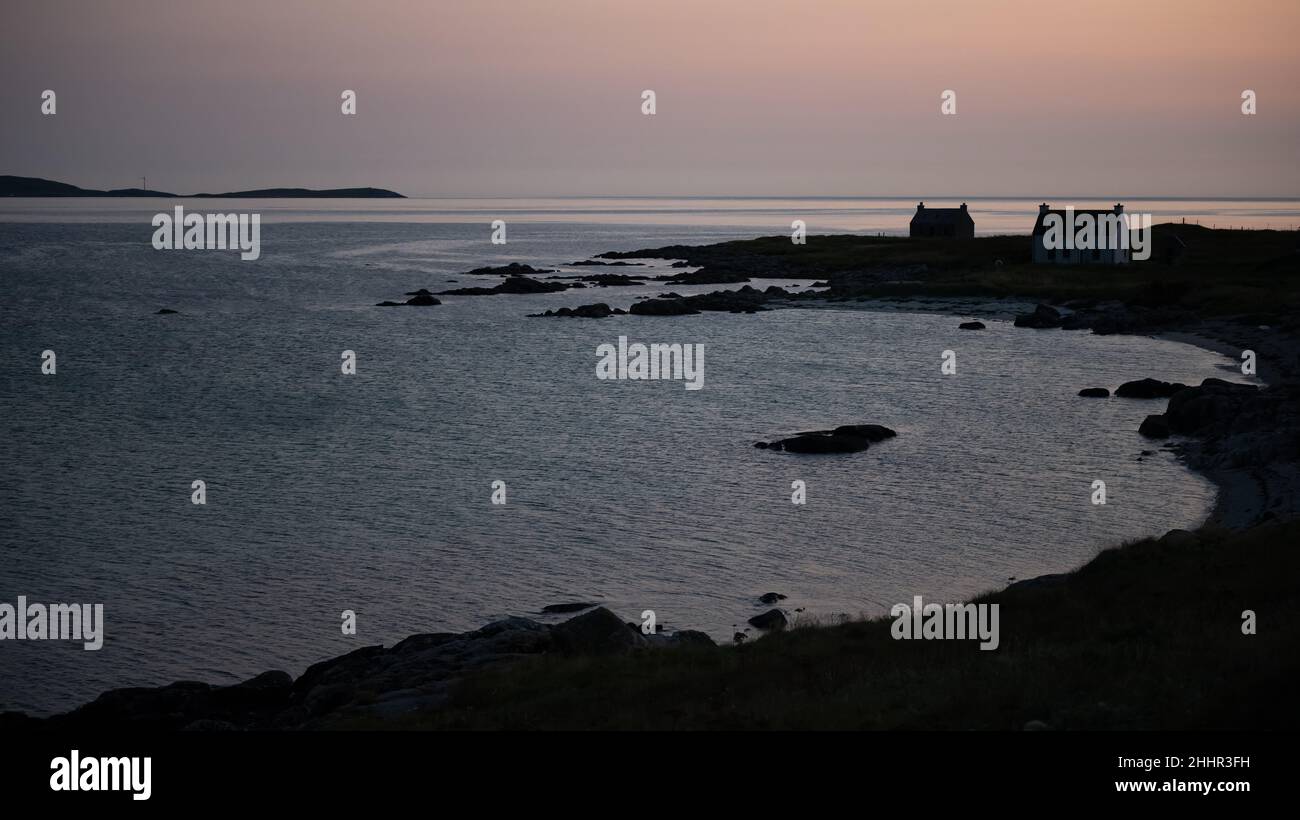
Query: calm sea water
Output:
(372,492)
(762,216)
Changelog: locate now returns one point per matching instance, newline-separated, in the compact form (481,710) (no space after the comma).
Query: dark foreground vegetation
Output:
(1146,636)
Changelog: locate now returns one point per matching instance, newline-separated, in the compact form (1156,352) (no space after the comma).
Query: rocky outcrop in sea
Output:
(848,438)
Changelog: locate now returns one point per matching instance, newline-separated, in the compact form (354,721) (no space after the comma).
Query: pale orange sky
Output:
(1094,98)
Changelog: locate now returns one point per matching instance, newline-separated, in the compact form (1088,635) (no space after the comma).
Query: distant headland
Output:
(36,187)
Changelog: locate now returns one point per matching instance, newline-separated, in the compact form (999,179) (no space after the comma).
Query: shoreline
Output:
(1242,497)
(1245,497)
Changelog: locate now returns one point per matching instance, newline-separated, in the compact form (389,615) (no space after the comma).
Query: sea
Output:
(372,492)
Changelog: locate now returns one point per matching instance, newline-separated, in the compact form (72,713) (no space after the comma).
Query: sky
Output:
(1090,98)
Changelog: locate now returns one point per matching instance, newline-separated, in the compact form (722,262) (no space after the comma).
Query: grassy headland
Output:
(1145,636)
(1211,272)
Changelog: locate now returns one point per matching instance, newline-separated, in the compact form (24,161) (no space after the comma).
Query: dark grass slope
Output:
(1147,636)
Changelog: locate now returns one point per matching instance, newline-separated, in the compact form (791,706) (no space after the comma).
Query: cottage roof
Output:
(1098,212)
(941,216)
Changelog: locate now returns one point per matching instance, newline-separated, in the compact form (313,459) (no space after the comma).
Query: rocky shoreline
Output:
(1246,442)
(370,683)
(1244,439)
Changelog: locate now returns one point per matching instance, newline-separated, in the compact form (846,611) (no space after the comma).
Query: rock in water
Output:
(597,311)
(971,326)
(422,298)
(419,298)
(513,269)
(513,285)
(662,307)
(1148,389)
(1094,393)
(822,444)
(871,432)
(561,608)
(848,438)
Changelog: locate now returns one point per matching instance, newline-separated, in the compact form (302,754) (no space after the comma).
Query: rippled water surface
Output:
(372,492)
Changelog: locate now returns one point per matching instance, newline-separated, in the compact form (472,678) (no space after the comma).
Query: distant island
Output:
(36,187)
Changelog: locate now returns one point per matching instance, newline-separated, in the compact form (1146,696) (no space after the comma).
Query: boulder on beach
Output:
(771,597)
(179,704)
(773,619)
(1155,427)
(1179,539)
(415,674)
(691,637)
(1094,393)
(1212,405)
(1148,389)
(1043,316)
(971,326)
(598,632)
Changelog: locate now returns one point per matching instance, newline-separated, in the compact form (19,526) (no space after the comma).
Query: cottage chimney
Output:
(1042,209)
(1119,209)
(963,206)
(920,206)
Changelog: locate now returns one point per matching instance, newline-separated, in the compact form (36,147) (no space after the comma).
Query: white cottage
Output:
(1110,231)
